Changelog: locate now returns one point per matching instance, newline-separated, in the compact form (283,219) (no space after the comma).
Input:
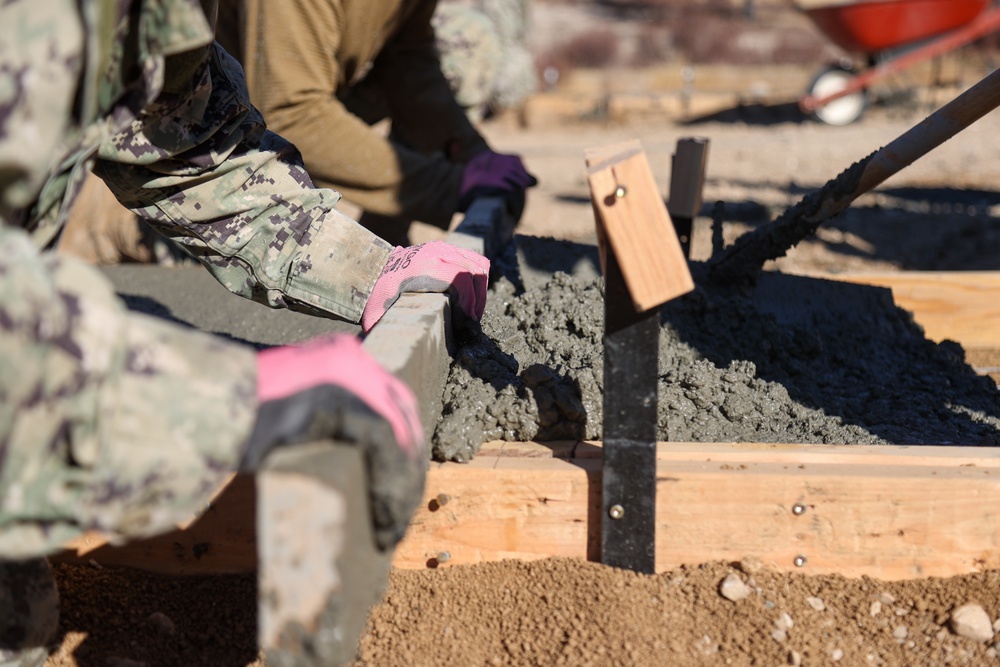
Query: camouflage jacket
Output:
(110,420)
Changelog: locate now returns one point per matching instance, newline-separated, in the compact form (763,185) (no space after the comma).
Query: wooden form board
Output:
(881,511)
(887,512)
(633,220)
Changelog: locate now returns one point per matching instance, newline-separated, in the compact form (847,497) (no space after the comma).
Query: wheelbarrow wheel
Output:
(843,110)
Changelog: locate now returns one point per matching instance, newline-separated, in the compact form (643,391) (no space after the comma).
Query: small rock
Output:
(816,603)
(921,604)
(782,625)
(784,622)
(900,632)
(996,625)
(900,611)
(941,635)
(751,565)
(836,655)
(875,609)
(991,652)
(886,598)
(707,647)
(162,623)
(794,659)
(733,588)
(972,622)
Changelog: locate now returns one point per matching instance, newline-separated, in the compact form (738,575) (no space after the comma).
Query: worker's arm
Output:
(110,421)
(202,168)
(293,75)
(409,74)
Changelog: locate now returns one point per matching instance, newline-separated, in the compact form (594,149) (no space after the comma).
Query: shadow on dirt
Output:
(755,114)
(920,229)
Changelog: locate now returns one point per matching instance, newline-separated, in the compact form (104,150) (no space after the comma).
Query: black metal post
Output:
(631,342)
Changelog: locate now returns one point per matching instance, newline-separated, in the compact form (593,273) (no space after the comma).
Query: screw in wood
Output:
(616,511)
(800,561)
(620,191)
(798,509)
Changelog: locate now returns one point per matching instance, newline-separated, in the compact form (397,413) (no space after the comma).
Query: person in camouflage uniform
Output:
(121,423)
(324,73)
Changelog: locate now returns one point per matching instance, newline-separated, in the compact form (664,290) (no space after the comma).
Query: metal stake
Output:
(628,531)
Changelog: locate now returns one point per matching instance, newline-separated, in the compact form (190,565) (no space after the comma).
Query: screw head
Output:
(800,561)
(620,191)
(616,511)
(798,509)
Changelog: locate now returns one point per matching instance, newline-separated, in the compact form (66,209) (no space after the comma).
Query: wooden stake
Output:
(643,267)
(632,217)
(687,181)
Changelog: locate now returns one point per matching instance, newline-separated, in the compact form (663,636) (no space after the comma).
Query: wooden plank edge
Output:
(890,520)
(887,512)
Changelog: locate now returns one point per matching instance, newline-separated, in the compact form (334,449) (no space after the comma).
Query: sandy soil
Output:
(936,215)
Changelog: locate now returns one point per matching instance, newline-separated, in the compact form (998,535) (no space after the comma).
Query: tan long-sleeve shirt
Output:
(308,63)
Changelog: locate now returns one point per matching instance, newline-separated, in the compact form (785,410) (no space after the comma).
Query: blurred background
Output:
(687,59)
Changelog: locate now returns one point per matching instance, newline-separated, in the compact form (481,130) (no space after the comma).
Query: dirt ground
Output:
(934,216)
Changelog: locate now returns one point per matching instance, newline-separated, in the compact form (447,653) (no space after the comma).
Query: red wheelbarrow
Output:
(894,35)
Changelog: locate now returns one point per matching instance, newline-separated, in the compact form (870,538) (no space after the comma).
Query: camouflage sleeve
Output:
(203,169)
(39,60)
(109,420)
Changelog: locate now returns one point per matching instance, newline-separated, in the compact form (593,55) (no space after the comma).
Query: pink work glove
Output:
(331,388)
(490,174)
(435,266)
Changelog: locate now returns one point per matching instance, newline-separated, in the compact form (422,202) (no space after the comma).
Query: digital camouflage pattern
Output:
(471,57)
(110,420)
(484,52)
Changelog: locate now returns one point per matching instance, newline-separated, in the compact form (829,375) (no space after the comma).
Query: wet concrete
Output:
(790,359)
(190,296)
(745,259)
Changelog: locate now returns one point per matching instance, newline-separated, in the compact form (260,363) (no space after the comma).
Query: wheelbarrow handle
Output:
(746,257)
